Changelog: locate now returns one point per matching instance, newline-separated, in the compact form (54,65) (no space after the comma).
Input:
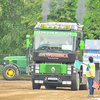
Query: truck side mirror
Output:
(81,45)
(28,41)
(77,43)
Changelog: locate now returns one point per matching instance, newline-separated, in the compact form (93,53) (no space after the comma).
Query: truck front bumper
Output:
(55,80)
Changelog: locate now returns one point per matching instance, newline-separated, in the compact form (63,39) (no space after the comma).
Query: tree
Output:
(18,17)
(92,20)
(65,13)
(11,28)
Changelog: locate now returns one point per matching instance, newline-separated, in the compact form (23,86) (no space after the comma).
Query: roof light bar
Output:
(55,26)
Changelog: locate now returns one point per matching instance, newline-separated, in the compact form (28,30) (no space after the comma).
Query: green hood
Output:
(15,57)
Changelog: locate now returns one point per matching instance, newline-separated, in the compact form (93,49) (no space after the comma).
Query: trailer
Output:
(92,48)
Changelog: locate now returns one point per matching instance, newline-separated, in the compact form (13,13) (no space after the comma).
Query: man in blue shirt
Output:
(94,46)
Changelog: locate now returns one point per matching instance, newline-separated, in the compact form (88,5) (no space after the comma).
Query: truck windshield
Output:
(55,42)
(92,44)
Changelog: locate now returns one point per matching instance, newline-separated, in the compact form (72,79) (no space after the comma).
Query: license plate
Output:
(52,78)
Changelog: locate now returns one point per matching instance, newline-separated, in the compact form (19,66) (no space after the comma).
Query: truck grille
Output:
(53,69)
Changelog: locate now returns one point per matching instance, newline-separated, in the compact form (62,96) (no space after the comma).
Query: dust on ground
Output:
(22,90)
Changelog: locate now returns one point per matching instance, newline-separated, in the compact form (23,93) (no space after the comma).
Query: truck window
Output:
(55,42)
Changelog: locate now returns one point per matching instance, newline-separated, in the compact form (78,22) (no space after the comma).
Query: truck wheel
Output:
(76,83)
(10,72)
(50,87)
(84,86)
(35,86)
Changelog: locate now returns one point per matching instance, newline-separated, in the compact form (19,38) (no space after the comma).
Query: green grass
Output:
(1,77)
(24,77)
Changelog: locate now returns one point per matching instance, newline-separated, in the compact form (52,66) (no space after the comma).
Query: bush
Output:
(1,58)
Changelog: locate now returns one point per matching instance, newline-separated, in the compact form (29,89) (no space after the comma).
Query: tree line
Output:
(18,17)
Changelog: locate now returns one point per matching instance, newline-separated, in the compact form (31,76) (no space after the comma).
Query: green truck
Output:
(55,47)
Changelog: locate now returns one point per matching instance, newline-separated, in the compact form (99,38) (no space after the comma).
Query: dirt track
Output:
(22,90)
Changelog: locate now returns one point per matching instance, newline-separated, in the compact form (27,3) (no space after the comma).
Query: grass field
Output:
(24,77)
(1,77)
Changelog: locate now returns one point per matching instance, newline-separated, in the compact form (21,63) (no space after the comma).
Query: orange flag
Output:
(96,85)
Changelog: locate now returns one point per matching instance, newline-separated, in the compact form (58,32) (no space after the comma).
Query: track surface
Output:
(22,90)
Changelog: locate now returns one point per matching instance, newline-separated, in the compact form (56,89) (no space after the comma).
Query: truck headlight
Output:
(32,68)
(36,71)
(68,72)
(74,70)
(69,68)
(37,66)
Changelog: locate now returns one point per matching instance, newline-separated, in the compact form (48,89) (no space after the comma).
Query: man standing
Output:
(90,73)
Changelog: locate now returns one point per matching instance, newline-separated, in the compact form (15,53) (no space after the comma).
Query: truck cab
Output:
(55,49)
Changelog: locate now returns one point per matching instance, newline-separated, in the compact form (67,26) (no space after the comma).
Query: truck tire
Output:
(76,83)
(35,86)
(10,72)
(84,86)
(50,87)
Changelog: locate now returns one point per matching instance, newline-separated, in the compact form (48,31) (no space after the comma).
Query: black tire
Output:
(76,83)
(84,86)
(35,86)
(50,87)
(10,72)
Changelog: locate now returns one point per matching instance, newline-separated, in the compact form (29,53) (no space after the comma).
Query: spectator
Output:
(94,45)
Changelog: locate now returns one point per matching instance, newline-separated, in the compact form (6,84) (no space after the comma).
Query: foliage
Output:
(92,20)
(65,13)
(1,58)
(18,19)
(11,29)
